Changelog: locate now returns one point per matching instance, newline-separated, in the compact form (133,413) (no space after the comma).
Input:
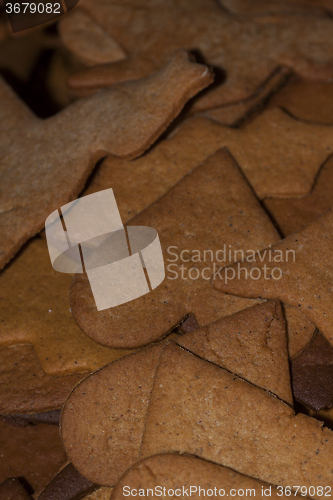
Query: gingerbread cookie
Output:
(184,474)
(34,452)
(251,344)
(310,101)
(292,214)
(287,166)
(244,51)
(188,405)
(12,489)
(61,151)
(297,270)
(211,212)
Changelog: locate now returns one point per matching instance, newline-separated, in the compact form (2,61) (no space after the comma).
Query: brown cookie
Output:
(312,374)
(251,344)
(286,166)
(35,309)
(292,214)
(209,213)
(60,152)
(298,271)
(34,453)
(191,406)
(26,388)
(244,51)
(310,101)
(88,41)
(68,484)
(12,489)
(187,475)
(241,112)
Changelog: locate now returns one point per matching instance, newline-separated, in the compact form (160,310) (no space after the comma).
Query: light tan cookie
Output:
(251,344)
(191,406)
(298,271)
(244,51)
(300,329)
(280,156)
(53,158)
(292,214)
(34,453)
(208,216)
(171,475)
(311,101)
(35,309)
(12,489)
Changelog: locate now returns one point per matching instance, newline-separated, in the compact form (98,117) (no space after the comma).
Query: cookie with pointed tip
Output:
(35,310)
(243,50)
(293,214)
(189,405)
(46,162)
(34,452)
(298,271)
(312,374)
(310,101)
(209,215)
(182,472)
(251,343)
(12,489)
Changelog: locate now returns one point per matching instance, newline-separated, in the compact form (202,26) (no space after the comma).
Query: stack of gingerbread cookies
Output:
(212,123)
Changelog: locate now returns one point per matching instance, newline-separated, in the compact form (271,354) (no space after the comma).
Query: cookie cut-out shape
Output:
(40,315)
(312,374)
(298,271)
(184,474)
(54,157)
(12,489)
(251,344)
(34,452)
(210,211)
(280,156)
(190,406)
(243,50)
(293,214)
